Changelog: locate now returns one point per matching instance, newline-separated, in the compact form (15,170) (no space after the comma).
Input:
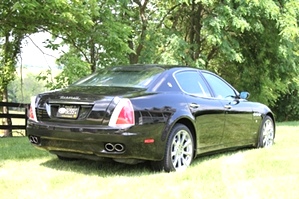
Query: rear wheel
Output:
(179,150)
(267,133)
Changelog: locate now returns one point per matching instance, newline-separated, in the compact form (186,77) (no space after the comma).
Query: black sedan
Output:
(166,115)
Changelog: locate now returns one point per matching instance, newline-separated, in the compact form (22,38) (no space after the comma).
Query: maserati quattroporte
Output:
(166,115)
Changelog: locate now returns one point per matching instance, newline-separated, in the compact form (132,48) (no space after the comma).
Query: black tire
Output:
(179,150)
(266,133)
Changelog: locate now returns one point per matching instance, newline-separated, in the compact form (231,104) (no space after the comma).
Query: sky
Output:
(40,56)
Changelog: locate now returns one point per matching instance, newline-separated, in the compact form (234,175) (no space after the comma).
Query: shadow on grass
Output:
(19,148)
(111,168)
(219,154)
(103,169)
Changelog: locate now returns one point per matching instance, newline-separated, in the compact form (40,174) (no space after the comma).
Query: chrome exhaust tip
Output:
(109,147)
(114,147)
(34,139)
(119,147)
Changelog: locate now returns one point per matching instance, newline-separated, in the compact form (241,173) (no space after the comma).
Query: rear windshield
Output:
(122,77)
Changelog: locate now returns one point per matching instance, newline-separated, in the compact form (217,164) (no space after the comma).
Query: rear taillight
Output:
(123,114)
(32,113)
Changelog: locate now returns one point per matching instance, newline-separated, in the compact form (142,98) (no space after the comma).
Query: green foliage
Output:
(73,69)
(96,34)
(287,107)
(18,18)
(21,90)
(6,73)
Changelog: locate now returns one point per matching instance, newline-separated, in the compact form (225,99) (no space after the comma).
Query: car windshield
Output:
(122,77)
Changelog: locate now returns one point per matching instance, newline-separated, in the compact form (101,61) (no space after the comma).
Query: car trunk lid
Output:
(81,105)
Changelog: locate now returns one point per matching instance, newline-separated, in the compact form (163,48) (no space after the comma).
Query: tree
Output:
(253,44)
(22,88)
(21,17)
(250,43)
(96,38)
(100,41)
(11,35)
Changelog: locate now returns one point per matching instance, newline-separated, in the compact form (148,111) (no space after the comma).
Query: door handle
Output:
(194,105)
(228,106)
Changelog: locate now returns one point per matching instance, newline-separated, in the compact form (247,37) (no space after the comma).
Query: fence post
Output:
(26,113)
(7,115)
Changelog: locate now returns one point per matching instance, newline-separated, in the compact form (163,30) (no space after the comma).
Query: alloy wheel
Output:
(268,133)
(181,150)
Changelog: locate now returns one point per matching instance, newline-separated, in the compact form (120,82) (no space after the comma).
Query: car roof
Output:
(150,66)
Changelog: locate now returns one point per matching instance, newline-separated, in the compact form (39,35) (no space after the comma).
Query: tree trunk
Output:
(5,109)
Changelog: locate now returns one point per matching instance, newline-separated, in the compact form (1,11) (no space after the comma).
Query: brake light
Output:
(123,114)
(32,113)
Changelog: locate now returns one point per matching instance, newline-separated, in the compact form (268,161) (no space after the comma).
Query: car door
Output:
(238,112)
(208,112)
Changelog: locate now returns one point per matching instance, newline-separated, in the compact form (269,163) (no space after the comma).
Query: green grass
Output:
(26,172)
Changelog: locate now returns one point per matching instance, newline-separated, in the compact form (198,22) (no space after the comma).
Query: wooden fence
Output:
(16,111)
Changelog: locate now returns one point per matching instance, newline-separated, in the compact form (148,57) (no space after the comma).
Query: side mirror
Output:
(244,95)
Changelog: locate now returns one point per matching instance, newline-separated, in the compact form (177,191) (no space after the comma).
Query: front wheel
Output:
(179,151)
(266,133)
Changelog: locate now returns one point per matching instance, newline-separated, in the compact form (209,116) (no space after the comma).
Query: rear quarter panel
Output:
(165,108)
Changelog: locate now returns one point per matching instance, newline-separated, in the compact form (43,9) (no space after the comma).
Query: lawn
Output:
(26,172)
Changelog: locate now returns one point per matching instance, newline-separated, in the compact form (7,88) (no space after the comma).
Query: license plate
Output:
(68,112)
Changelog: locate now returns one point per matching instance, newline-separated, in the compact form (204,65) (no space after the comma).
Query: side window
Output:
(221,89)
(192,83)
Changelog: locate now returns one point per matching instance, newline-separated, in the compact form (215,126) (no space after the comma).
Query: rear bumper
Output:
(91,143)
